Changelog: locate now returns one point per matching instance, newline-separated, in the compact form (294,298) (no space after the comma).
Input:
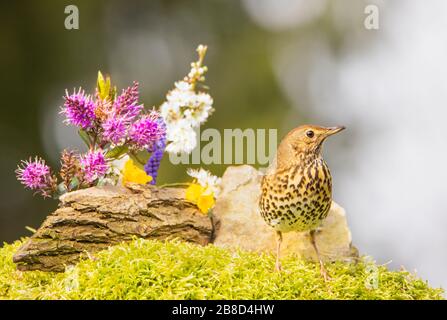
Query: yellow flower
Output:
(131,173)
(199,195)
(193,192)
(206,202)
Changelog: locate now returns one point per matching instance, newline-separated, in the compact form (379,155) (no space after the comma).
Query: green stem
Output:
(177,184)
(95,137)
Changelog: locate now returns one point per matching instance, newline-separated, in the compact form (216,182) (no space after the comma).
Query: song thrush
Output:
(297,187)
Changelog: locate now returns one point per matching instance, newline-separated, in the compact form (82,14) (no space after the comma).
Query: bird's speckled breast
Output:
(298,198)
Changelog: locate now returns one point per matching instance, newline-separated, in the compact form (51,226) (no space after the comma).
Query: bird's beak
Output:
(333,130)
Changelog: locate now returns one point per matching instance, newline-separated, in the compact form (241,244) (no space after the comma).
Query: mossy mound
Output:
(144,269)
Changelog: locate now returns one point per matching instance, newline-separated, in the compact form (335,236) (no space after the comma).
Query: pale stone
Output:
(241,225)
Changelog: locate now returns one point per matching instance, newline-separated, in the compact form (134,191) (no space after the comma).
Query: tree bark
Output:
(93,219)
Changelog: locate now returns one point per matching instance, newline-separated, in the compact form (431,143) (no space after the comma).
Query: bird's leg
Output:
(322,268)
(278,250)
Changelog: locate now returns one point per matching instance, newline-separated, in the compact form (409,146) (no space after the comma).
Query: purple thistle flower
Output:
(34,175)
(115,129)
(79,110)
(93,165)
(146,131)
(127,102)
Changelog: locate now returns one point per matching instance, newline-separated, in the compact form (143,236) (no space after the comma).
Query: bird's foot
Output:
(324,274)
(278,267)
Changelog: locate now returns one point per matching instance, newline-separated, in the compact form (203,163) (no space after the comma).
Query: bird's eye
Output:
(310,133)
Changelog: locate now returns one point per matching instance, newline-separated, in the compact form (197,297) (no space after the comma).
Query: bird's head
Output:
(304,141)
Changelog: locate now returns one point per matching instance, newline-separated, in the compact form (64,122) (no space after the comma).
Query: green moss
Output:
(145,269)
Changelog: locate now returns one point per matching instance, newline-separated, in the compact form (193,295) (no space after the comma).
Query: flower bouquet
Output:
(125,145)
(125,142)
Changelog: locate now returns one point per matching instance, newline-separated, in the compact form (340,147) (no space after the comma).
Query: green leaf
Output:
(84,136)
(103,86)
(143,156)
(74,183)
(101,182)
(61,188)
(140,158)
(117,152)
(100,83)
(113,93)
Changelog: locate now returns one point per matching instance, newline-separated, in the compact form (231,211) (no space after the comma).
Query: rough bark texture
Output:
(93,219)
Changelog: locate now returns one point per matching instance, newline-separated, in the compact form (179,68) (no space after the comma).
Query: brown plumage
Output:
(297,188)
